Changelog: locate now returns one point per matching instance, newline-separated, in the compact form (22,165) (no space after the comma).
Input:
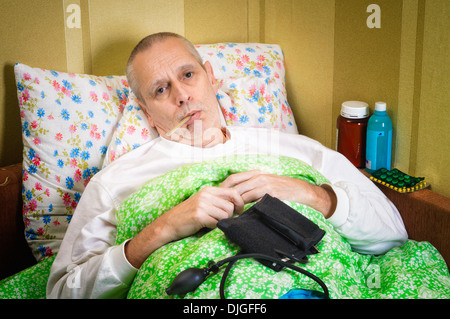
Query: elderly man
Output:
(171,84)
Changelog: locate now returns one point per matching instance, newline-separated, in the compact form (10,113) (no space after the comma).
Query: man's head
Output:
(170,81)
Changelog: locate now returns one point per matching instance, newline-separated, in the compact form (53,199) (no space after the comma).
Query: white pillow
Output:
(67,124)
(132,131)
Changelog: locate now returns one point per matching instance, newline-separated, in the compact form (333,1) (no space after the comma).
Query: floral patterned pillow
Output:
(252,93)
(252,76)
(67,124)
(132,131)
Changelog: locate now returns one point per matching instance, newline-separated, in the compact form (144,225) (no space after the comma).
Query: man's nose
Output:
(181,94)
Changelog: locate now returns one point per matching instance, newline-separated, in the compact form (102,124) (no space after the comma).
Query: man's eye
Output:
(189,75)
(160,91)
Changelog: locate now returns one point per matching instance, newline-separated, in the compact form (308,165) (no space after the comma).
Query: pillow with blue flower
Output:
(67,123)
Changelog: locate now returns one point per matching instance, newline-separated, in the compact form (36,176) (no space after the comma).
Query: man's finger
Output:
(239,178)
(227,199)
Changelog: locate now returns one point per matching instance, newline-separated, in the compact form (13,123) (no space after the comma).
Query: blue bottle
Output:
(379,139)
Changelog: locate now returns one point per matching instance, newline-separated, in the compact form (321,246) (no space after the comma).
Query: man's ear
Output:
(147,115)
(212,78)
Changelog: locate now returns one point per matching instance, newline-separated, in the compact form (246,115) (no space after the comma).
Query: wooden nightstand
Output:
(426,216)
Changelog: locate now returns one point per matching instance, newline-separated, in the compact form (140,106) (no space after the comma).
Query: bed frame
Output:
(425,213)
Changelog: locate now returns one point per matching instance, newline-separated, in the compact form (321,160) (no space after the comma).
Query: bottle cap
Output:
(355,109)
(380,106)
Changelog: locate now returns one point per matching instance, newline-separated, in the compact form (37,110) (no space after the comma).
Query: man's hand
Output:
(204,209)
(253,185)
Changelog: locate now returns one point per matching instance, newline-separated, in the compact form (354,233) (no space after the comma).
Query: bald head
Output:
(147,43)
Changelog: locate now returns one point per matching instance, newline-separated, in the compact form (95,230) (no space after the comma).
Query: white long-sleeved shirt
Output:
(90,265)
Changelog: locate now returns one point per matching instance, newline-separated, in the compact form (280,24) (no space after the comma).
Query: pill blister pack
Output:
(398,181)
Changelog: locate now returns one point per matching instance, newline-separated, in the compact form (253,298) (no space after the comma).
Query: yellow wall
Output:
(305,31)
(25,37)
(432,126)
(331,56)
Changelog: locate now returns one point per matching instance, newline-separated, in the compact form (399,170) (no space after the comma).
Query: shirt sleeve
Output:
(364,215)
(89,264)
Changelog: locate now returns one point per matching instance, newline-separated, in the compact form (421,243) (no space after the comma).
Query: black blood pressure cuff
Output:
(273,228)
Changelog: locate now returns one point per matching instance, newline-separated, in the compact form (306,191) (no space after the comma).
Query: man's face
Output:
(173,85)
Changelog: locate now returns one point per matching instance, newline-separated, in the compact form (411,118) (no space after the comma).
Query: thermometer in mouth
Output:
(187,118)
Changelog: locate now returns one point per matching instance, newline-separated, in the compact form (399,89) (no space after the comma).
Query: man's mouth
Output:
(188,120)
(193,116)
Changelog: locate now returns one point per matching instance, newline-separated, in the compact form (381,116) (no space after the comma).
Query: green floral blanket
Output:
(414,270)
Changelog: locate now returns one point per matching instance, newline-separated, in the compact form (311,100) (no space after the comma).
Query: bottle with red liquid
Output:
(352,130)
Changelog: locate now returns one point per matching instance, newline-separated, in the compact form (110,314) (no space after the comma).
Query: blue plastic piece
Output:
(303,294)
